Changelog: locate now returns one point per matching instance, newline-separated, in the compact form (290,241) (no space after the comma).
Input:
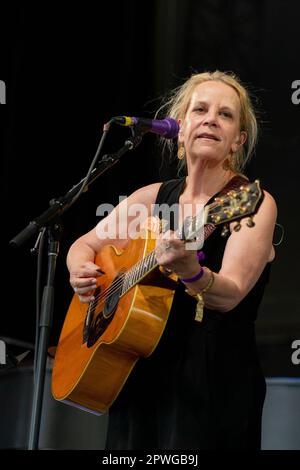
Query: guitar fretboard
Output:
(234,205)
(136,273)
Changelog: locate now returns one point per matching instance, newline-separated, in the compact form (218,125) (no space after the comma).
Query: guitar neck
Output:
(235,205)
(137,272)
(143,267)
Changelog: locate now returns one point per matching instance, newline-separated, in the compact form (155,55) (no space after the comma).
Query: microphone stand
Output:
(50,219)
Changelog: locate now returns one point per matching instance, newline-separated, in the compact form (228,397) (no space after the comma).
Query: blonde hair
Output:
(178,102)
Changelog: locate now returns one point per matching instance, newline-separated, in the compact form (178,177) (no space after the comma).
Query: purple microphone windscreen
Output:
(167,127)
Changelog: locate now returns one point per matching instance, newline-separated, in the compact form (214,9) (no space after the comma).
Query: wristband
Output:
(201,257)
(194,278)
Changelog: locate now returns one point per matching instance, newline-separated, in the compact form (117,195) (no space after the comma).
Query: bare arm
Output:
(245,257)
(116,229)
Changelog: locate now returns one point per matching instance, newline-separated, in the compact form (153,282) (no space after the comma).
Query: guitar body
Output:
(89,373)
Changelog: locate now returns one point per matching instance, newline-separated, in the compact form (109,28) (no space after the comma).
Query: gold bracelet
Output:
(199,296)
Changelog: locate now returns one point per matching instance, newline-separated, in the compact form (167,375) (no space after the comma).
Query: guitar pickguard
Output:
(101,312)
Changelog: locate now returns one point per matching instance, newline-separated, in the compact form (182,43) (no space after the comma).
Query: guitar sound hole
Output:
(103,318)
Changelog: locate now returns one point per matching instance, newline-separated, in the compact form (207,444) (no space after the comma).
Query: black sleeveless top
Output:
(202,387)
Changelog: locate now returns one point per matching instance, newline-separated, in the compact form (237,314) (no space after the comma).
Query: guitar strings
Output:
(112,289)
(115,286)
(101,298)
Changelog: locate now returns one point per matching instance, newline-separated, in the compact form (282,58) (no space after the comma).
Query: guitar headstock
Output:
(236,204)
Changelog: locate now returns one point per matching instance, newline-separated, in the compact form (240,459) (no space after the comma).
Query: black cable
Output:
(282,234)
(93,164)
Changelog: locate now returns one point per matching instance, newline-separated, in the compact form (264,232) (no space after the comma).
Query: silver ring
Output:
(167,245)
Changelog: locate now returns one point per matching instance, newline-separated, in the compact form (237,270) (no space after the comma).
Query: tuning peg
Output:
(216,218)
(250,222)
(225,230)
(237,227)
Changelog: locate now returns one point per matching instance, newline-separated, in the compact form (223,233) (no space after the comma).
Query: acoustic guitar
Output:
(100,342)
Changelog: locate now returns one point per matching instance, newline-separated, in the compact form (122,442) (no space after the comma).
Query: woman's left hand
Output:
(174,255)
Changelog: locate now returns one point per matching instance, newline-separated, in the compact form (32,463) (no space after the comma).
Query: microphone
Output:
(167,127)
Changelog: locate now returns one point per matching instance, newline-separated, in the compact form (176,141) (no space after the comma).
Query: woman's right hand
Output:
(83,279)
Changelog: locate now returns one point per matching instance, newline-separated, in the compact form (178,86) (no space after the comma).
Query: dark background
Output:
(68,70)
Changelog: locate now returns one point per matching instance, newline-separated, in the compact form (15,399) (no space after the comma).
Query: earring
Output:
(226,165)
(181,152)
(230,163)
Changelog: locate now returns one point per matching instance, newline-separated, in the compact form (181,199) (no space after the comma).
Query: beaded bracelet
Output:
(199,296)
(201,257)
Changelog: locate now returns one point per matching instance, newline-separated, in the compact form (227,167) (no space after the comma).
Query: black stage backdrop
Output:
(67,70)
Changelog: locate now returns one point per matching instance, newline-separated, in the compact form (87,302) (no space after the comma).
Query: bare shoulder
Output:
(269,201)
(268,208)
(125,220)
(146,194)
